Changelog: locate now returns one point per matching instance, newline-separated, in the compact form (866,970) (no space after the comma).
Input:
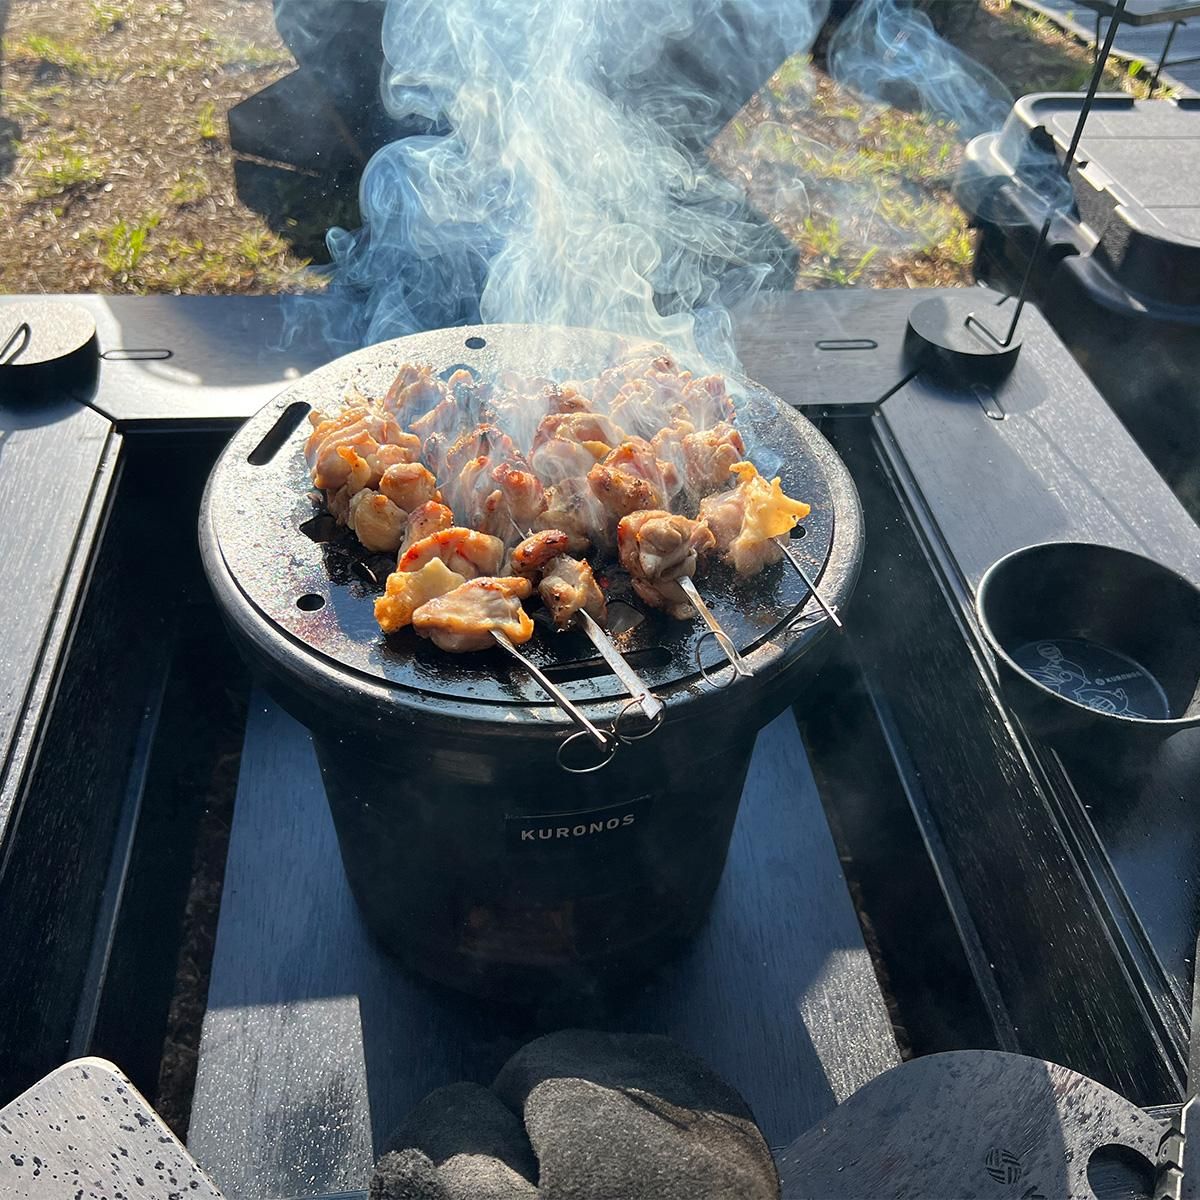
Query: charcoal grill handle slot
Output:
(273,440)
(122,355)
(847,344)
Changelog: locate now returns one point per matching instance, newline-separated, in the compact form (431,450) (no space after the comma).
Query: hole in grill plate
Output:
(475,343)
(310,602)
(798,532)
(279,433)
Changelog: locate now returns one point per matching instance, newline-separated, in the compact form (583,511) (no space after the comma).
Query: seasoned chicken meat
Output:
(621,492)
(531,556)
(462,619)
(406,591)
(376,521)
(567,586)
(658,548)
(746,521)
(572,507)
(409,485)
(466,551)
(428,518)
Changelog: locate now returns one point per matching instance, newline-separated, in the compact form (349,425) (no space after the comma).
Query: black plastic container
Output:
(1094,642)
(1119,278)
(471,853)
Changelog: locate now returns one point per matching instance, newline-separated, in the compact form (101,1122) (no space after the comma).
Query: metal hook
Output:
(782,542)
(21,333)
(739,664)
(655,720)
(611,750)
(712,679)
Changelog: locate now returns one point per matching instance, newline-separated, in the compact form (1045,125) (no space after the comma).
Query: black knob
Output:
(48,351)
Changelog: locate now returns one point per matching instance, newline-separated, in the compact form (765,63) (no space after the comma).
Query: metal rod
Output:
(635,685)
(1162,59)
(602,739)
(21,333)
(972,321)
(738,663)
(783,543)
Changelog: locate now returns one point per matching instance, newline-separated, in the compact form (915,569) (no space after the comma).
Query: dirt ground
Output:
(117,172)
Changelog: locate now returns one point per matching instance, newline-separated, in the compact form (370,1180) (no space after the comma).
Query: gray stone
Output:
(634,1117)
(406,1175)
(477,1145)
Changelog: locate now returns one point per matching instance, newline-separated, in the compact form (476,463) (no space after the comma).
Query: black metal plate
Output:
(258,511)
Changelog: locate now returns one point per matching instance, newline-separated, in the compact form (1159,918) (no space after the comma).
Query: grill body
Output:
(472,855)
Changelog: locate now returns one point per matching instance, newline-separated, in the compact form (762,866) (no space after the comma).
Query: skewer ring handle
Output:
(806,620)
(653,722)
(711,677)
(612,744)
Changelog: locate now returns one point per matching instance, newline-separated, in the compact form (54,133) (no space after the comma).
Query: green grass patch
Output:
(188,188)
(107,18)
(124,245)
(61,167)
(66,56)
(206,122)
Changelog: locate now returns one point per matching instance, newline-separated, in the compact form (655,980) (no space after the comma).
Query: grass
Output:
(189,188)
(107,18)
(124,245)
(206,122)
(55,52)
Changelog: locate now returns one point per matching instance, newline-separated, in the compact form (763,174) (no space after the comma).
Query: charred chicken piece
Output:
(557,459)
(466,551)
(531,556)
(636,456)
(746,521)
(424,520)
(376,521)
(569,586)
(463,619)
(621,492)
(409,485)
(657,548)
(406,591)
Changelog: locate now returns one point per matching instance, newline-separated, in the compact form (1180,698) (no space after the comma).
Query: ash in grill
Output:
(430,760)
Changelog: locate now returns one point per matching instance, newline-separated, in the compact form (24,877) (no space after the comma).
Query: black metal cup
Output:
(1092,640)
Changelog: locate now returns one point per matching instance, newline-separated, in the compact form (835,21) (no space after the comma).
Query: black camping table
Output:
(909,862)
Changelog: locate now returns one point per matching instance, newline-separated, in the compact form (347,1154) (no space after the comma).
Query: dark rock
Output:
(633,1117)
(406,1175)
(478,1146)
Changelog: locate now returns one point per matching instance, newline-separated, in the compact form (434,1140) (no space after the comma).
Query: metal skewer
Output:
(785,545)
(607,742)
(740,667)
(635,685)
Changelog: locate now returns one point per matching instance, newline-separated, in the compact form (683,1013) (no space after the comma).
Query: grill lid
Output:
(315,583)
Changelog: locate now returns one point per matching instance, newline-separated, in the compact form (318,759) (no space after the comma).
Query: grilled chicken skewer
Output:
(569,600)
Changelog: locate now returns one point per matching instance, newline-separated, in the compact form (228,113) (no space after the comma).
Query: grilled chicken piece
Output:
(746,521)
(636,456)
(582,427)
(358,476)
(376,521)
(414,391)
(557,459)
(466,551)
(424,520)
(657,548)
(704,458)
(572,508)
(359,428)
(409,485)
(620,492)
(484,441)
(406,591)
(568,586)
(704,402)
(405,449)
(531,556)
(462,619)
(513,504)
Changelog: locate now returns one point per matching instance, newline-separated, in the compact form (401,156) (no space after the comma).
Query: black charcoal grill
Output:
(471,853)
